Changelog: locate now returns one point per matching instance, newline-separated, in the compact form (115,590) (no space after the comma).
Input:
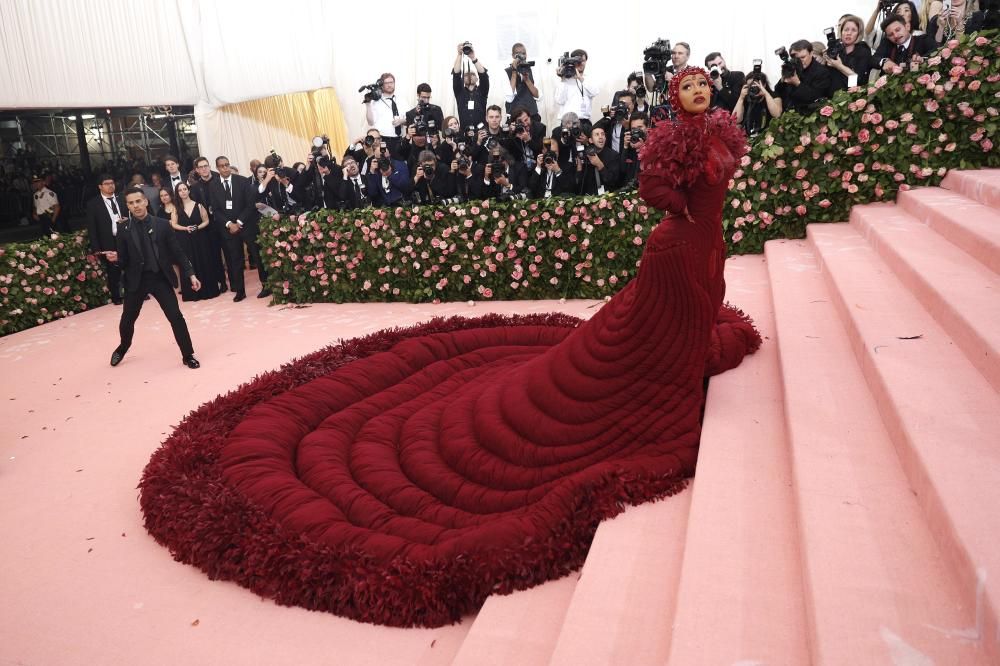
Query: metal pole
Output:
(81,141)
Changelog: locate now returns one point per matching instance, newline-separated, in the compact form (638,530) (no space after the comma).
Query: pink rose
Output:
(906,117)
(826,111)
(800,209)
(738,236)
(864,136)
(821,139)
(982,41)
(825,203)
(800,174)
(859,167)
(986,145)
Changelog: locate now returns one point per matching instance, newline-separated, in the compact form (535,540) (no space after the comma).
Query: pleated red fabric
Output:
(403,478)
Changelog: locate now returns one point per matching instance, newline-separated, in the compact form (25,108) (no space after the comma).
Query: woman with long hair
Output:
(190,220)
(960,19)
(855,59)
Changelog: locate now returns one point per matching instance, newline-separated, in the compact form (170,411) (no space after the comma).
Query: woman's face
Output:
(182,190)
(164,197)
(695,93)
(849,33)
(903,9)
(454,124)
(261,172)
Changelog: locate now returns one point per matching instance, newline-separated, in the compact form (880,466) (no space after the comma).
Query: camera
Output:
(450,133)
(789,65)
(590,150)
(464,162)
(369,141)
(496,164)
(567,65)
(617,112)
(467,48)
(384,163)
(569,134)
(318,143)
(428,169)
(514,128)
(521,62)
(286,172)
(656,57)
(472,131)
(637,134)
(715,72)
(272,161)
(374,91)
(834,47)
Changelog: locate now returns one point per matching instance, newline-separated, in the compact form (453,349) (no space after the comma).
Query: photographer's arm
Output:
(738,111)
(457,67)
(870,26)
(773,103)
(529,83)
(369,114)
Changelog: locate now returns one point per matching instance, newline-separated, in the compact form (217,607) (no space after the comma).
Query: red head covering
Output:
(673,91)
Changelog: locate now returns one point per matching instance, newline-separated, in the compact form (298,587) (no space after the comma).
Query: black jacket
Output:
(351,198)
(433,112)
(586,180)
(919,45)
(814,84)
(99,223)
(522,150)
(478,97)
(562,184)
(168,252)
(244,197)
(732,84)
(442,185)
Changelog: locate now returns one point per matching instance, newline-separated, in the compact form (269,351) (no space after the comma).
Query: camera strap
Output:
(395,112)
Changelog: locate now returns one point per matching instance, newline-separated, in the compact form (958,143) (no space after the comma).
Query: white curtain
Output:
(66,53)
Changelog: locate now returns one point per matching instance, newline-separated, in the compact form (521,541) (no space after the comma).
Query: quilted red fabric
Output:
(403,478)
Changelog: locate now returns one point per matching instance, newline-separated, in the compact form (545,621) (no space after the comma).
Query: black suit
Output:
(102,238)
(587,180)
(433,112)
(134,261)
(919,45)
(229,209)
(355,196)
(562,183)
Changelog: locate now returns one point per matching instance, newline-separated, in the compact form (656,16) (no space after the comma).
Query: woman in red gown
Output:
(404,487)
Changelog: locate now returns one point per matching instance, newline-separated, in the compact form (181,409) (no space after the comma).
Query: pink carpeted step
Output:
(982,185)
(740,593)
(622,608)
(877,587)
(963,296)
(940,411)
(968,224)
(518,628)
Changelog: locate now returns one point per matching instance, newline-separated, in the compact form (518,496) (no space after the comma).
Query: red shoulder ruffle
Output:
(676,151)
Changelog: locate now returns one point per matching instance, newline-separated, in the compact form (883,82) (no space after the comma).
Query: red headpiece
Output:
(673,91)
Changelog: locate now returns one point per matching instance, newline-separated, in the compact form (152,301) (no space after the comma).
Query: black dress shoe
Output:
(264,293)
(191,362)
(117,356)
(239,297)
(116,301)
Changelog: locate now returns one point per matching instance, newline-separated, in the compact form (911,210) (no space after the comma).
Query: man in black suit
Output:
(597,169)
(354,190)
(432,114)
(236,221)
(104,214)
(900,48)
(146,249)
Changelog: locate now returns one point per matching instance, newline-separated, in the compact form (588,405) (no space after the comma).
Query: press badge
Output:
(472,105)
(229,204)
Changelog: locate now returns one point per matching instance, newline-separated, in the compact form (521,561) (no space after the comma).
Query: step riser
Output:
(982,186)
(983,248)
(952,544)
(743,512)
(974,342)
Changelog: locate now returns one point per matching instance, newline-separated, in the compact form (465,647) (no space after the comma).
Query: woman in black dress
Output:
(854,58)
(192,234)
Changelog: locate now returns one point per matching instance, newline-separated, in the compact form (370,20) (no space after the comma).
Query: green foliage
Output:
(48,279)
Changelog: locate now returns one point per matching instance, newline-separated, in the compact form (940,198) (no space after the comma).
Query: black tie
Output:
(114,206)
(357,187)
(229,192)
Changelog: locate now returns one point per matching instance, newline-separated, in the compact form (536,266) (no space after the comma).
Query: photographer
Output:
(484,138)
(900,49)
(849,58)
(414,142)
(597,169)
(636,83)
(635,139)
(725,84)
(451,136)
(679,57)
(471,88)
(322,191)
(953,22)
(466,176)
(616,118)
(568,140)
(756,105)
(548,178)
(503,178)
(804,80)
(388,180)
(354,189)
(574,93)
(431,180)
(382,112)
(523,92)
(524,140)
(425,113)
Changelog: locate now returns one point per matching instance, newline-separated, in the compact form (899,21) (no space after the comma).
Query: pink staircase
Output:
(846,508)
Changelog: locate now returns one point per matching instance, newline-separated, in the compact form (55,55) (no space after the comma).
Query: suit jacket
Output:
(99,223)
(919,44)
(243,208)
(442,185)
(349,196)
(562,184)
(586,183)
(399,185)
(433,112)
(168,252)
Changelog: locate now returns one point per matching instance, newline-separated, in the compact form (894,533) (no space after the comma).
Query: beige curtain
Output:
(283,123)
